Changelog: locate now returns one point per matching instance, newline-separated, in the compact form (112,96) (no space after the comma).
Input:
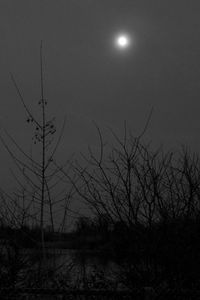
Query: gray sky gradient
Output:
(87,78)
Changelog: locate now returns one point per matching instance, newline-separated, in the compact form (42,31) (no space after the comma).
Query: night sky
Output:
(88,78)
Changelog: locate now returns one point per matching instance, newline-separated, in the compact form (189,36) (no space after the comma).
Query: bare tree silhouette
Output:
(42,197)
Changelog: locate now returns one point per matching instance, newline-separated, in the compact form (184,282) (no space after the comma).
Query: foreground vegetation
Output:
(146,222)
(144,208)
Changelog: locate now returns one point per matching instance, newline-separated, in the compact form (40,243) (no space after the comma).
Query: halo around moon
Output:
(122,41)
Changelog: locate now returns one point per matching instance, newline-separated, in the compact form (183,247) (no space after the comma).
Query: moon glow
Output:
(122,41)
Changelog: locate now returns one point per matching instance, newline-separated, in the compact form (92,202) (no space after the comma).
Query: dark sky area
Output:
(87,78)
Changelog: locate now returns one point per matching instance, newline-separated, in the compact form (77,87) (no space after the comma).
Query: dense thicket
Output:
(147,208)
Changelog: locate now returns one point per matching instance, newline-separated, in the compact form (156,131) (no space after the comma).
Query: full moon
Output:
(122,41)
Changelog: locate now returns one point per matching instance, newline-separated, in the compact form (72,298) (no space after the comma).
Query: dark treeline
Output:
(144,210)
(145,214)
(147,211)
